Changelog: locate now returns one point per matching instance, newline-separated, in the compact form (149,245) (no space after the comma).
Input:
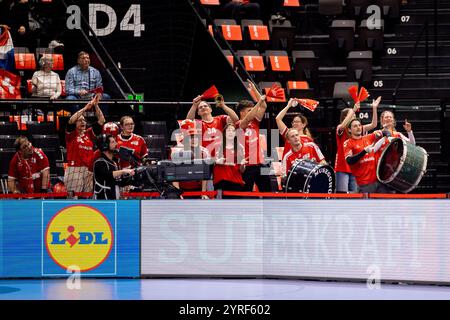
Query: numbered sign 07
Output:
(130,22)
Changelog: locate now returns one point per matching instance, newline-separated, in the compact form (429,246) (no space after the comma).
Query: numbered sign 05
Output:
(130,22)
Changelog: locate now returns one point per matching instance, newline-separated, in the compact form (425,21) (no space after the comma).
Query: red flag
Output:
(309,104)
(363,94)
(211,93)
(358,97)
(275,93)
(9,85)
(353,90)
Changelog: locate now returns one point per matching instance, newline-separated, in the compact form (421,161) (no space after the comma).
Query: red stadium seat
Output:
(296,85)
(257,31)
(210,2)
(58,62)
(253,62)
(278,60)
(25,61)
(291,3)
(229,56)
(230,30)
(300,89)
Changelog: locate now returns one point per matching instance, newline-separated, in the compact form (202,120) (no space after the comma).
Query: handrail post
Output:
(436,27)
(426,49)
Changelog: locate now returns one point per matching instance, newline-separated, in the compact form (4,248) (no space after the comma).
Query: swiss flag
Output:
(9,85)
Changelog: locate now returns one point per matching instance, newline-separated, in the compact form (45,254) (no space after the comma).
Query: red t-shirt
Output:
(28,172)
(253,152)
(135,143)
(308,150)
(230,170)
(287,145)
(340,165)
(80,148)
(212,132)
(365,169)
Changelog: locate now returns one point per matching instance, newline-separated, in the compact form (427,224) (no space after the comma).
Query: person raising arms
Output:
(299,122)
(345,181)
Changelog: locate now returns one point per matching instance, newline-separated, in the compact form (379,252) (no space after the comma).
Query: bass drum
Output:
(307,176)
(402,165)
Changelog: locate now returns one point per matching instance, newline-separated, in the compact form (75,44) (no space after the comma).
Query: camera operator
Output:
(107,176)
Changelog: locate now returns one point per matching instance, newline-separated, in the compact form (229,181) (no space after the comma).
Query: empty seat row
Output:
(280,34)
(370,37)
(305,63)
(389,8)
(11,128)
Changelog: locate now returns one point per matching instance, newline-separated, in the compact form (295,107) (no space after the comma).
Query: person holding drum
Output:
(300,150)
(299,122)
(345,181)
(359,153)
(387,121)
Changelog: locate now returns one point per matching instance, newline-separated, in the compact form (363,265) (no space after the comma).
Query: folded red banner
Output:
(97,90)
(309,104)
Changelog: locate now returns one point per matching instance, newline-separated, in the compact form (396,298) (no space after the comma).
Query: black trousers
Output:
(240,11)
(252,175)
(228,186)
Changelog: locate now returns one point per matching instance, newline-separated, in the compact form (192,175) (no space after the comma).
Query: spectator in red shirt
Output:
(248,135)
(227,168)
(387,121)
(128,139)
(345,181)
(212,127)
(80,148)
(299,122)
(300,150)
(29,171)
(359,153)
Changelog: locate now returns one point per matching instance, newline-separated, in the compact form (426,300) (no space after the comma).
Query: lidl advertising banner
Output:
(59,238)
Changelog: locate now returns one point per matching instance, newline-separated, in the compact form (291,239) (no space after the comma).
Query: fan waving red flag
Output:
(9,85)
(211,93)
(309,104)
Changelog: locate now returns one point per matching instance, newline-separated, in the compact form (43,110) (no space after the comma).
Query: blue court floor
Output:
(212,289)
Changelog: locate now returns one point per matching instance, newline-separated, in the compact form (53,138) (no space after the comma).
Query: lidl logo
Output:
(79,235)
